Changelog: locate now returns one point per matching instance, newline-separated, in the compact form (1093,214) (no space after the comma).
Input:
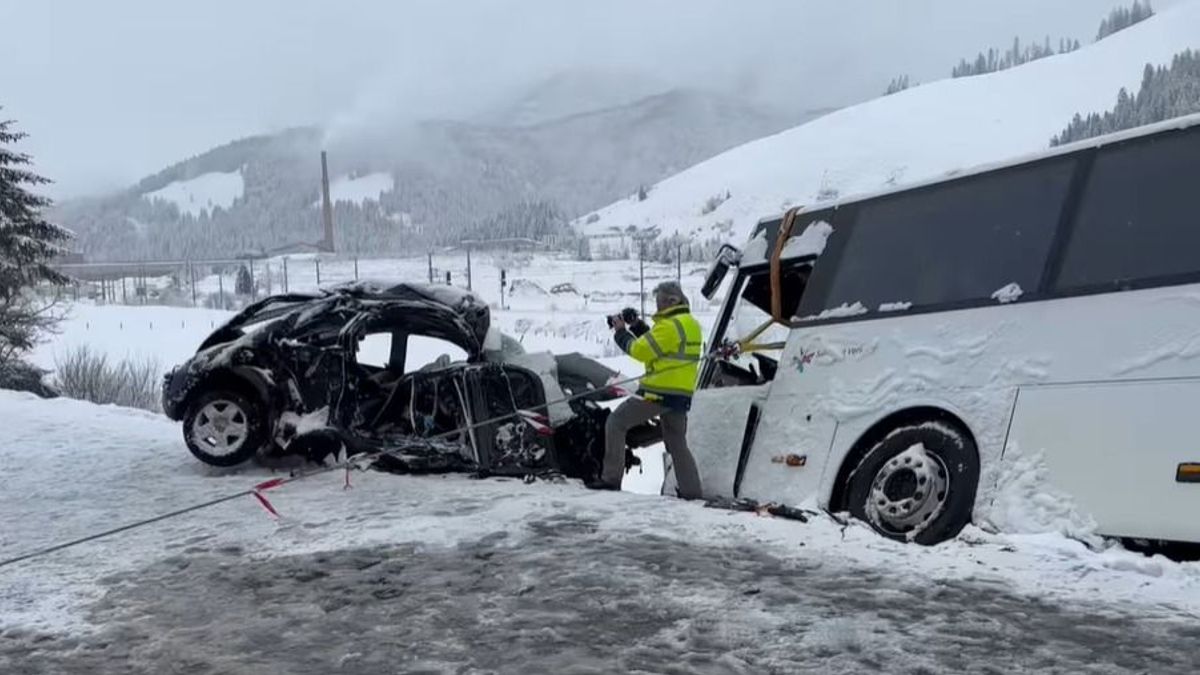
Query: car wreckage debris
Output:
(287,374)
(750,505)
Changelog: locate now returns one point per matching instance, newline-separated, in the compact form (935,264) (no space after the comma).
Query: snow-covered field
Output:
(916,135)
(556,302)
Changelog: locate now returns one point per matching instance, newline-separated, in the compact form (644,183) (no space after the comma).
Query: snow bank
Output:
(918,134)
(202,193)
(1025,503)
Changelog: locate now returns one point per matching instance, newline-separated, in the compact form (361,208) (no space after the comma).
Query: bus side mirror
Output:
(729,256)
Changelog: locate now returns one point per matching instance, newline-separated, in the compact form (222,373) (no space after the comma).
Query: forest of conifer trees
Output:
(1166,92)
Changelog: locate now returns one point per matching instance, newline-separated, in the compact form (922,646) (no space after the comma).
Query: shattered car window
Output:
(426,351)
(375,350)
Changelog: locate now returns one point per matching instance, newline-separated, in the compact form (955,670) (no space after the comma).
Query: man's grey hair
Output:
(670,293)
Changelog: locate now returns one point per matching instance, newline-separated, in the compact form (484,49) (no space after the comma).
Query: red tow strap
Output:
(262,499)
(540,423)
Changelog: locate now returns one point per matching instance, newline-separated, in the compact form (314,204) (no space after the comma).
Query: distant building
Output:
(70,258)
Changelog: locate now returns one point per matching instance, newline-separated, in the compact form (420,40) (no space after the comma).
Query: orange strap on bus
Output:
(785,231)
(748,344)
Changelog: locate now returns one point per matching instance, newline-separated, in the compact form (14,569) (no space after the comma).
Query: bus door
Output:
(743,357)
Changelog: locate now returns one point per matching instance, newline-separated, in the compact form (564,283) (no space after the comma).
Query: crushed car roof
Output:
(440,311)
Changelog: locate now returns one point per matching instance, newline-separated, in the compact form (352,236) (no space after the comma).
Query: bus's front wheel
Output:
(917,484)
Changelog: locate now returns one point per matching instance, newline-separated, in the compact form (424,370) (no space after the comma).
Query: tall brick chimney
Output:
(326,206)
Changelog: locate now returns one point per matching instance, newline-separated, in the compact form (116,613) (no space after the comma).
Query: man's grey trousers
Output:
(634,411)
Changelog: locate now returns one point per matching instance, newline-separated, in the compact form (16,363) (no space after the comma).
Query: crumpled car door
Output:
(317,364)
(508,445)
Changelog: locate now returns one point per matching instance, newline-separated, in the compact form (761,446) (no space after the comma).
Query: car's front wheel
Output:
(224,428)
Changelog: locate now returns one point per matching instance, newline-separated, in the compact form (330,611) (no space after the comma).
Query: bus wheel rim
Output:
(908,492)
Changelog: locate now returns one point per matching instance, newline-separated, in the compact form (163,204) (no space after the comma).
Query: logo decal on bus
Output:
(804,359)
(828,356)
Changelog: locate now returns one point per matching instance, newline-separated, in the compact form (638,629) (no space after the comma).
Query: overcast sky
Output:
(113,91)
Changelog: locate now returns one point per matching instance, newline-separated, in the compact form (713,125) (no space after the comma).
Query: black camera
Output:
(629,315)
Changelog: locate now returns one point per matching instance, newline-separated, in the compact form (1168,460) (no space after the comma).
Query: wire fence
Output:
(214,283)
(495,272)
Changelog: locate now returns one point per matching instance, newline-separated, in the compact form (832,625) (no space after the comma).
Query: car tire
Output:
(918,484)
(225,428)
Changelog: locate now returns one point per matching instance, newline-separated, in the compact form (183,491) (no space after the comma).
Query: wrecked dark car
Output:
(287,376)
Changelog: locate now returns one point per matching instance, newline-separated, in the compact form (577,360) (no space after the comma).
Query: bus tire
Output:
(917,484)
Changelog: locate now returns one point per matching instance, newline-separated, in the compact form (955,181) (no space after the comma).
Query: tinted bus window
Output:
(958,242)
(1138,217)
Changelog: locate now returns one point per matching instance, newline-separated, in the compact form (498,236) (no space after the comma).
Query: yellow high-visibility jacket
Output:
(671,351)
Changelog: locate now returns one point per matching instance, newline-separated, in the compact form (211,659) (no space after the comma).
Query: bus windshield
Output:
(749,325)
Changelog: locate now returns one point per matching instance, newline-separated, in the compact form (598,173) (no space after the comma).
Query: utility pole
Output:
(642,274)
(468,267)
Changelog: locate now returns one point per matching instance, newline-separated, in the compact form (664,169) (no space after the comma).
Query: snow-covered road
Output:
(558,592)
(434,574)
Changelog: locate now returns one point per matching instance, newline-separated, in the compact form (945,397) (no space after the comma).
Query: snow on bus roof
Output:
(1175,124)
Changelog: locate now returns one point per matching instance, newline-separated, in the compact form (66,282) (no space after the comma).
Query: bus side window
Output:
(946,244)
(1136,222)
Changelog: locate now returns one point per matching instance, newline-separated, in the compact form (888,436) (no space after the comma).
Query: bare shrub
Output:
(714,202)
(90,376)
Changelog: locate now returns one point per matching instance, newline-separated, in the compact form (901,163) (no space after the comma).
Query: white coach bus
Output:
(892,355)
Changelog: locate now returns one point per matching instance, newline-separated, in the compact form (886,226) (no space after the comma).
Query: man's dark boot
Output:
(597,484)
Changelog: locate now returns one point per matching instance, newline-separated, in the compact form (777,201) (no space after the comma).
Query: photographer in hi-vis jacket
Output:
(670,351)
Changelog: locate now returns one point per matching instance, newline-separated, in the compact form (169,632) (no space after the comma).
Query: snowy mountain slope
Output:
(911,136)
(202,193)
(571,92)
(361,188)
(448,177)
